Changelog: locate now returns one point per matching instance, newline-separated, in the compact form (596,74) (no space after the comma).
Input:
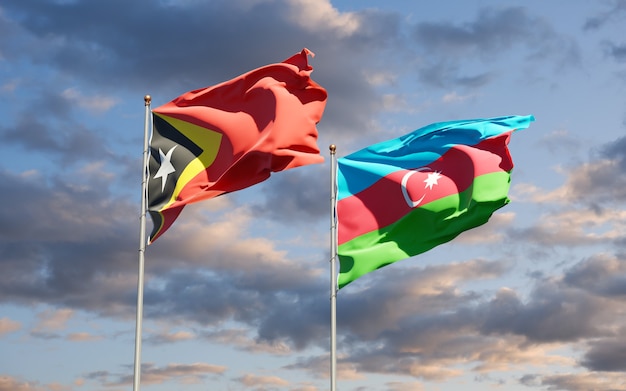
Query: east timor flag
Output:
(233,135)
(402,197)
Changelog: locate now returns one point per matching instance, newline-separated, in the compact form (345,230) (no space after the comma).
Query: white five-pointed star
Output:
(432,179)
(166,167)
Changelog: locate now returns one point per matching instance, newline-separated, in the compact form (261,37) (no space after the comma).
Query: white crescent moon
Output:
(405,193)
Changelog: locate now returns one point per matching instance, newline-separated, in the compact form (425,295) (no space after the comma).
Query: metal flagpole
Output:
(333,268)
(142,244)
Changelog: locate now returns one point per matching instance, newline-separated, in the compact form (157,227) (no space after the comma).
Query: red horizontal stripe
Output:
(383,203)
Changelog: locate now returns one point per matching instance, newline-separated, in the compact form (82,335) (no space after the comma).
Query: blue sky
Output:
(237,291)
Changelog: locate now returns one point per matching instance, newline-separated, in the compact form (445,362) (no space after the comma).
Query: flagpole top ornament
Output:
(147,99)
(332,148)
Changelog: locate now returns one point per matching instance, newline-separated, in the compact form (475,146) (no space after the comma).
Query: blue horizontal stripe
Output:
(419,148)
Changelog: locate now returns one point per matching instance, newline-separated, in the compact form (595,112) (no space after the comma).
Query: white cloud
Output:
(9,86)
(54,319)
(454,97)
(95,104)
(255,380)
(316,15)
(83,336)
(8,326)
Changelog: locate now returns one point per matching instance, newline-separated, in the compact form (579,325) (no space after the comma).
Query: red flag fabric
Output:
(233,135)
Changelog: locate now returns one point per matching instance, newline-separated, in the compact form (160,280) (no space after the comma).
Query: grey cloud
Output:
(597,21)
(617,52)
(601,180)
(445,328)
(530,380)
(493,32)
(153,374)
(606,355)
(303,321)
(177,46)
(616,151)
(601,275)
(66,142)
(48,255)
(443,74)
(415,293)
(297,315)
(542,241)
(599,183)
(295,196)
(471,332)
(560,141)
(582,382)
(475,80)
(553,314)
(60,240)
(114,48)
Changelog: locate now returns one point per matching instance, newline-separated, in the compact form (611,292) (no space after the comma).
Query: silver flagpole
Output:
(333,268)
(142,245)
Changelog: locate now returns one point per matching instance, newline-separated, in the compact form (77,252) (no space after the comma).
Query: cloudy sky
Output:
(237,291)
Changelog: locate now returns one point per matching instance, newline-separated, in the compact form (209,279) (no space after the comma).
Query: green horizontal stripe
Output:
(424,228)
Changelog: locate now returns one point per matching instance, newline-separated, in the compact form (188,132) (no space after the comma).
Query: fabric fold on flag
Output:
(233,135)
(405,196)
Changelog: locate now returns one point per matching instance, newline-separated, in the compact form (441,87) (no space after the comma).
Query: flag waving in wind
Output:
(402,197)
(232,135)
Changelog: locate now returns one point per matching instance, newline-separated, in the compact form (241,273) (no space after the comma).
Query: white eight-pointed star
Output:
(432,179)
